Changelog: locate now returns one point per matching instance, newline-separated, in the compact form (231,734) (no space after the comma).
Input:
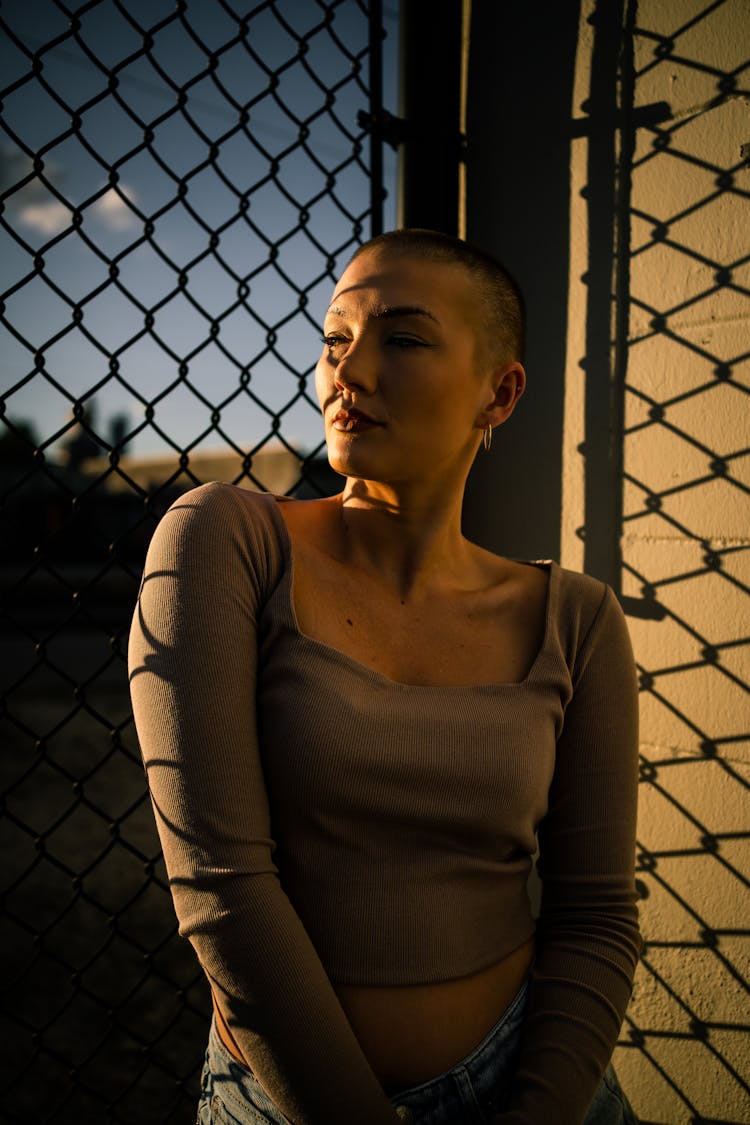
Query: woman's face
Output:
(401,382)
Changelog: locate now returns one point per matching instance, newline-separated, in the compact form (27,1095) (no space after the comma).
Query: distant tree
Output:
(17,442)
(118,428)
(83,443)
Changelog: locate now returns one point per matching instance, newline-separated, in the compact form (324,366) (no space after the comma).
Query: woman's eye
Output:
(405,342)
(333,341)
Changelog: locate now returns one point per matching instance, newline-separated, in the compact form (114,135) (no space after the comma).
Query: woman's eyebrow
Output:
(389,312)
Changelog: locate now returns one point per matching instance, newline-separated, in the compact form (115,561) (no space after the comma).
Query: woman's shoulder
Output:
(217,506)
(579,593)
(218,495)
(570,593)
(588,615)
(219,521)
(585,596)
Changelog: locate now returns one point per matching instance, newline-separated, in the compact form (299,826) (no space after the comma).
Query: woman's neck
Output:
(410,538)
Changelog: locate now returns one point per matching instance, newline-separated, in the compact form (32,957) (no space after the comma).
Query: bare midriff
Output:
(412,1033)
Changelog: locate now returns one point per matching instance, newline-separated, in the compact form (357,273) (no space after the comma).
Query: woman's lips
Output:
(353,421)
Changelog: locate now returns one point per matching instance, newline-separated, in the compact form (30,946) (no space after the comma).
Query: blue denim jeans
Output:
(468,1094)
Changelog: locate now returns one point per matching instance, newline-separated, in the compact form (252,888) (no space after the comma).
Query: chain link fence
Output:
(181,183)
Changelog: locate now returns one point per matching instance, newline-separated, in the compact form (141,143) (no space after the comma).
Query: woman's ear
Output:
(509,383)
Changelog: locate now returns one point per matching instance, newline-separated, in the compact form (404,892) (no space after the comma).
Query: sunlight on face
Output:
(400,380)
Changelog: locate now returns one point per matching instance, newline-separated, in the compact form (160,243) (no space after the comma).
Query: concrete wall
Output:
(686,533)
(654,472)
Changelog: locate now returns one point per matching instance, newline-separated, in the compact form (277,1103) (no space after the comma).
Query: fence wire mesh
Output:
(685,525)
(180,184)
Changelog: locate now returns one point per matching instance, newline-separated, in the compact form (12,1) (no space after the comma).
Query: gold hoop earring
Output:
(487,439)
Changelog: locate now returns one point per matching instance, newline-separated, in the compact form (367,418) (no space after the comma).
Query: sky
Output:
(152,159)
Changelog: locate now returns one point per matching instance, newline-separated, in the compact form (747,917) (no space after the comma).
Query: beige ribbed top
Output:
(322,823)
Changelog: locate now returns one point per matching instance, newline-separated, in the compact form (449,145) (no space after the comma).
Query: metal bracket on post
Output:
(389,128)
(395,131)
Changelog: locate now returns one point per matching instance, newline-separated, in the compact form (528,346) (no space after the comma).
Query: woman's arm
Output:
(588,940)
(192,670)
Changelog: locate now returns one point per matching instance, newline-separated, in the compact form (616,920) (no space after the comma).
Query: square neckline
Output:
(285,589)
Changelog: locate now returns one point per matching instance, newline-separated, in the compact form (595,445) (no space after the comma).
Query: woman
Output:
(355,724)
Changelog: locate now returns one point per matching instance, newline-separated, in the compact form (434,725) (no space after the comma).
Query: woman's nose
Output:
(357,369)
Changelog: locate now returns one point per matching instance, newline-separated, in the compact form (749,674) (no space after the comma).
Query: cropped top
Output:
(323,824)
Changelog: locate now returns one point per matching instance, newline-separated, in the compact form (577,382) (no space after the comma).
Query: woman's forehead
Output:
(388,280)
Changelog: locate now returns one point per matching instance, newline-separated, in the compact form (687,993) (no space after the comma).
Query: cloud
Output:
(48,218)
(15,166)
(32,204)
(112,210)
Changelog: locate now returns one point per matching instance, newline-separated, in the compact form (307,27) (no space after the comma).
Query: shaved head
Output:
(501,311)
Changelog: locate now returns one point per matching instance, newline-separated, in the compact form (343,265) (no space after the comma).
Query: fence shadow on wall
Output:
(680,369)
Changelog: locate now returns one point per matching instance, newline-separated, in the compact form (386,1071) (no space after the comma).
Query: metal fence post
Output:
(430,94)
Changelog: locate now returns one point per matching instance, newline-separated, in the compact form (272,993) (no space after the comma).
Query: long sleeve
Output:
(192,657)
(588,939)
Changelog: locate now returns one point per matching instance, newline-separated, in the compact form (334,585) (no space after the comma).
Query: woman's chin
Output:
(351,460)
(349,466)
